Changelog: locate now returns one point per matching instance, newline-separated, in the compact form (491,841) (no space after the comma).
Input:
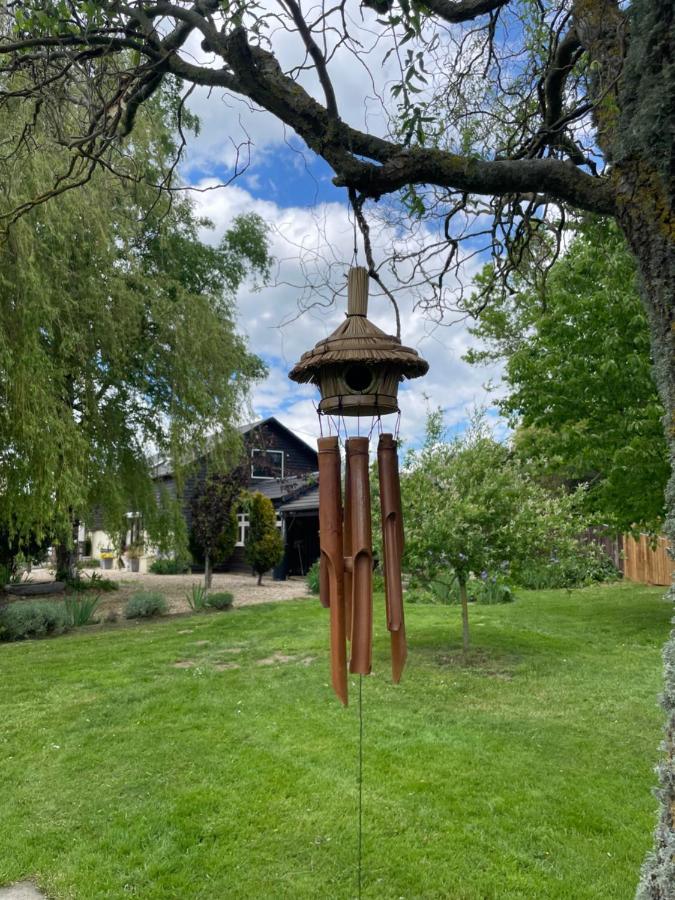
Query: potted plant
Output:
(107,555)
(134,554)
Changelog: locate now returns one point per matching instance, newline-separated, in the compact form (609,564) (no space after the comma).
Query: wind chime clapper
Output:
(358,370)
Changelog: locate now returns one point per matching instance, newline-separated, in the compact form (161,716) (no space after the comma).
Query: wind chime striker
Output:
(358,369)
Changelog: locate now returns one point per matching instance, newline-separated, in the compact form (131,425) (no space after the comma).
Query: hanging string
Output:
(333,425)
(360,829)
(355,257)
(320,417)
(344,423)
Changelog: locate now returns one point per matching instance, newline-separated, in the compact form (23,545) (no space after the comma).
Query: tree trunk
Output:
(465,615)
(655,252)
(642,153)
(260,575)
(208,572)
(66,556)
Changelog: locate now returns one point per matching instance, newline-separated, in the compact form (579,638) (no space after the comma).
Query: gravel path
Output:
(245,589)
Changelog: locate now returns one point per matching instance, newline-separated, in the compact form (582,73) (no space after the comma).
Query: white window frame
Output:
(267,453)
(242,528)
(243,525)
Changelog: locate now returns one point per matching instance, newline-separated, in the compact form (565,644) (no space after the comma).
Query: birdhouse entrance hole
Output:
(358,378)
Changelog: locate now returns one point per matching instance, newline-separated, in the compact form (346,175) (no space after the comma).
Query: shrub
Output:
(444,590)
(177,566)
(491,589)
(591,564)
(144,604)
(79,610)
(264,545)
(312,578)
(196,597)
(32,619)
(219,600)
(93,582)
(88,564)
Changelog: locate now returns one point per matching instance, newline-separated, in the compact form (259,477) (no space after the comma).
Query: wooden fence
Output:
(644,564)
(636,559)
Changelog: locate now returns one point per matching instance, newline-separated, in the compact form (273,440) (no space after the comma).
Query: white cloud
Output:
(316,245)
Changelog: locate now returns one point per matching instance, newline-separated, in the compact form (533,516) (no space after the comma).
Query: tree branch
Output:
(463,10)
(566,55)
(261,79)
(317,57)
(372,165)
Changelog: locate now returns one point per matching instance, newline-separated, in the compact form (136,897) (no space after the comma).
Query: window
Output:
(243,526)
(135,532)
(267,463)
(242,529)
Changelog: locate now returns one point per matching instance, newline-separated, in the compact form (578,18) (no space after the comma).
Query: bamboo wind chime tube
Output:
(361,557)
(332,558)
(324,583)
(392,546)
(347,549)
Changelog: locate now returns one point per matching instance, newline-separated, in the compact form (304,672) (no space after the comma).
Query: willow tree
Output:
(117,339)
(499,118)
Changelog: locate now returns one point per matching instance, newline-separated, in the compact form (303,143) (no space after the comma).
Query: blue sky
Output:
(290,176)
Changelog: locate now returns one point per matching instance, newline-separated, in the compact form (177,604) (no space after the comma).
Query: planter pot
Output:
(35,590)
(107,563)
(135,564)
(280,571)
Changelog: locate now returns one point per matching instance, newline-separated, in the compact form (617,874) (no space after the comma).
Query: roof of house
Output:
(163,468)
(303,502)
(281,488)
(244,429)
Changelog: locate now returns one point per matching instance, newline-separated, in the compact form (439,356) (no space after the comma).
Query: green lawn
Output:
(526,773)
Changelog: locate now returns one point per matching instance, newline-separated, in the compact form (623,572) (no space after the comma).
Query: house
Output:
(283,467)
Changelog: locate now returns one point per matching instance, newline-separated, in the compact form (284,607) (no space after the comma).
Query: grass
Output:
(526,773)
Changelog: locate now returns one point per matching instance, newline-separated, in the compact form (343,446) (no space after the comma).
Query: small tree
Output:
(471,507)
(214,518)
(264,545)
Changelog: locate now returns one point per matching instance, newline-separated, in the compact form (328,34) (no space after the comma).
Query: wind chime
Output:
(358,369)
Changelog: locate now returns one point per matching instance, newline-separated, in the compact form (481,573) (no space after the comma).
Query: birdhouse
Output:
(358,368)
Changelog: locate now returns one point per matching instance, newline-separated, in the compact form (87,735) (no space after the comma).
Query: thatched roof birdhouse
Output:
(358,368)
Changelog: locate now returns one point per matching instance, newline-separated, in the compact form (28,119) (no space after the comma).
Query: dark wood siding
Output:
(299,459)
